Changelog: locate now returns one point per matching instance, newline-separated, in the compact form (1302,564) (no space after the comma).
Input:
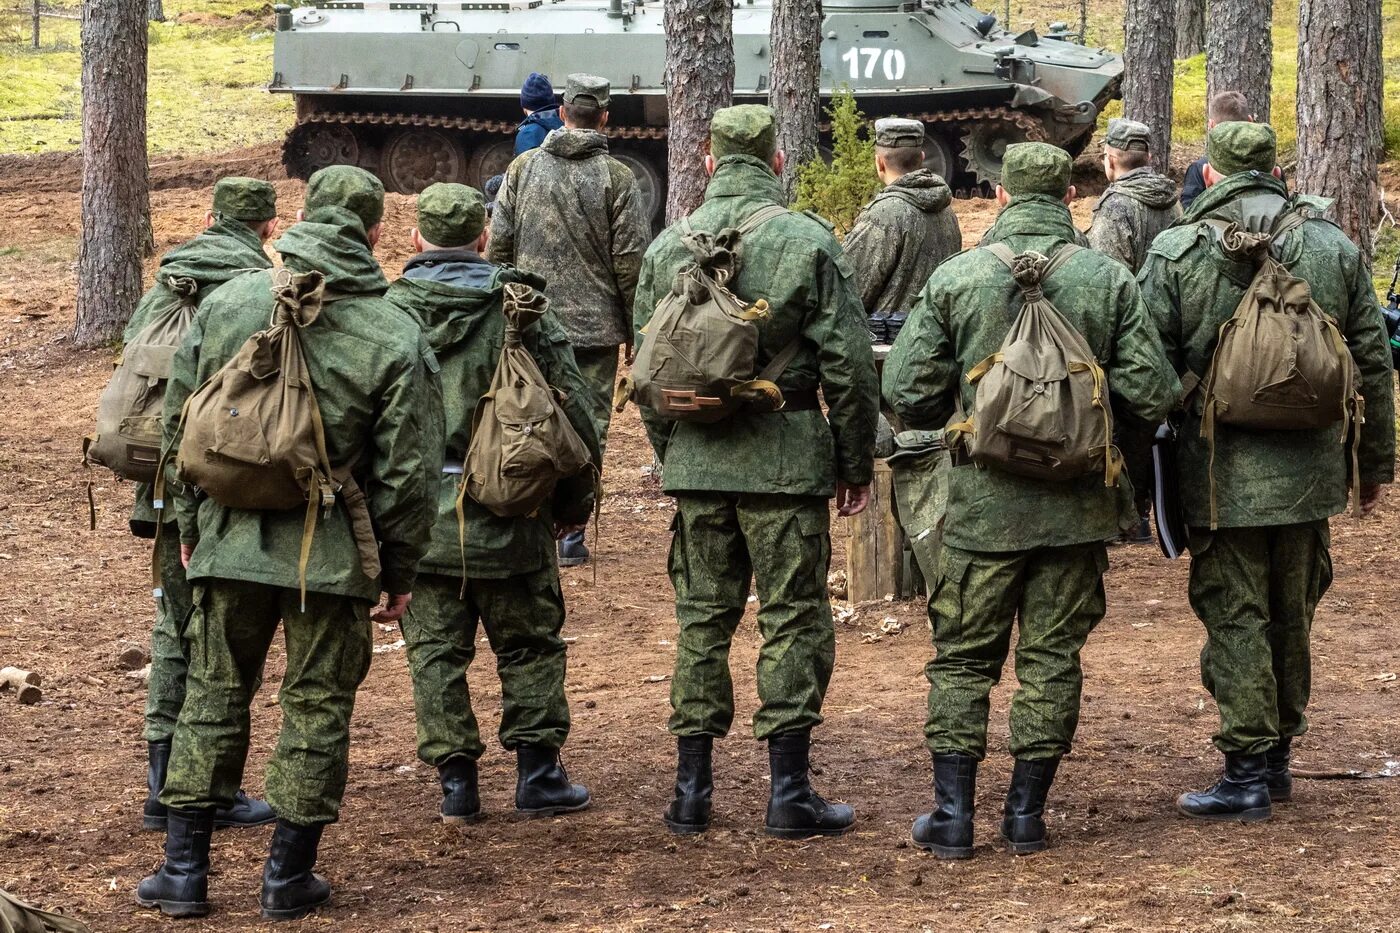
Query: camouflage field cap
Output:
(588,90)
(1232,148)
(1129,135)
(349,187)
(248,199)
(1035,168)
(748,129)
(451,215)
(898,133)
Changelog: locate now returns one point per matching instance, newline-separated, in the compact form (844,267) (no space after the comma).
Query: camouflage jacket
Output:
(796,264)
(367,364)
(962,317)
(569,213)
(1130,214)
(227,249)
(1268,477)
(456,296)
(901,235)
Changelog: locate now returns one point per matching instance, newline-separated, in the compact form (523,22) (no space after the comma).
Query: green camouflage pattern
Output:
(247,199)
(1128,135)
(349,188)
(796,265)
(1255,590)
(328,653)
(522,616)
(1054,597)
(451,215)
(921,501)
(962,317)
(1036,168)
(721,544)
(367,363)
(1130,213)
(598,367)
(465,329)
(898,133)
(744,129)
(570,213)
(1266,478)
(587,89)
(1237,147)
(902,234)
(170,650)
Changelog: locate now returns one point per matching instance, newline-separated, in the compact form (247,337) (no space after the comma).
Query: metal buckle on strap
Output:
(687,400)
(452,469)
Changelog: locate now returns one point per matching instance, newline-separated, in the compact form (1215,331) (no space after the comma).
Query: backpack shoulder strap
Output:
(760,217)
(779,363)
(1002,252)
(1063,255)
(1289,220)
(685,227)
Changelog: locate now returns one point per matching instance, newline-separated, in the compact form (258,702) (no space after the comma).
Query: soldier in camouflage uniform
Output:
(1137,205)
(512,584)
(1256,578)
(570,213)
(751,491)
(897,241)
(366,363)
(1016,551)
(242,219)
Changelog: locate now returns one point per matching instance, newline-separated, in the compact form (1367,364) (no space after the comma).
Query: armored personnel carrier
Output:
(424,92)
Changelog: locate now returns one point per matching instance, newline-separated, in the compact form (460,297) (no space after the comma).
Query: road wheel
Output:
(984,147)
(650,186)
(492,157)
(417,157)
(313,146)
(938,156)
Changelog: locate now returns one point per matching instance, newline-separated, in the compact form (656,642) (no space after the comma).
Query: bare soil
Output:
(71,768)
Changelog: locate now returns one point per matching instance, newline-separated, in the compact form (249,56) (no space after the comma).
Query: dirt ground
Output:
(71,768)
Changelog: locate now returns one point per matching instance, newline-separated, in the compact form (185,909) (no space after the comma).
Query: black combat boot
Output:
(795,811)
(947,831)
(180,887)
(572,551)
(1023,822)
(689,812)
(461,802)
(289,889)
(245,811)
(1241,794)
(1278,776)
(542,786)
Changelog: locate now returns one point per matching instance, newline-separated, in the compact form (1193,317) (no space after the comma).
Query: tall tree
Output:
(155,11)
(1339,76)
(699,81)
(1148,72)
(1190,27)
(796,80)
(1240,51)
(116,208)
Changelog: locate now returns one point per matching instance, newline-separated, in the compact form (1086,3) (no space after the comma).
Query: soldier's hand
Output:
(851,500)
(393,608)
(1371,495)
(186,552)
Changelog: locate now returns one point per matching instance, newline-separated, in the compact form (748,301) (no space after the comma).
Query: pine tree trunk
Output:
(1339,77)
(155,11)
(1190,27)
(1149,71)
(116,206)
(796,80)
(699,81)
(1240,52)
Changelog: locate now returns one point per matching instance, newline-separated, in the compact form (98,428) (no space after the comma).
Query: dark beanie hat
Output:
(537,93)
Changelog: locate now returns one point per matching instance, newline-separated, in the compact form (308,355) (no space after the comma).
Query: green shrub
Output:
(839,190)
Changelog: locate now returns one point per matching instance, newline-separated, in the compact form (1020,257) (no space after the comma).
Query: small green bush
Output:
(839,190)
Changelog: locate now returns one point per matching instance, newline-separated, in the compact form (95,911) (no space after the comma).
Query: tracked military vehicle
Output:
(425,92)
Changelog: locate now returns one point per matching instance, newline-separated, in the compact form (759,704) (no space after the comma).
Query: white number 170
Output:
(893,62)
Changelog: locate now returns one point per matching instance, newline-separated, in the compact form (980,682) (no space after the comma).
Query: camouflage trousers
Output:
(522,616)
(1256,590)
(721,542)
(921,495)
(328,654)
(1055,597)
(165,689)
(598,365)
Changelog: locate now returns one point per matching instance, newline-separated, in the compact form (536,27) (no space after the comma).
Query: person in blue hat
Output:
(541,113)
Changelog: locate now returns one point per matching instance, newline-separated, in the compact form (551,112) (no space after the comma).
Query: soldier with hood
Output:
(1138,203)
(511,584)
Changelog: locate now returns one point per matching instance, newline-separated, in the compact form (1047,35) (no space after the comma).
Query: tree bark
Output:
(1149,72)
(155,11)
(699,81)
(796,81)
(1339,119)
(1240,52)
(1190,27)
(116,209)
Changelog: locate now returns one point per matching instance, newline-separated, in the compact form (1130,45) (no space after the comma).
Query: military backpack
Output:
(1041,405)
(698,360)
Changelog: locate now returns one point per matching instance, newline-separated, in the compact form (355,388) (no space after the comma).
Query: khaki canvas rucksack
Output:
(128,436)
(253,437)
(1041,406)
(698,358)
(522,442)
(1281,362)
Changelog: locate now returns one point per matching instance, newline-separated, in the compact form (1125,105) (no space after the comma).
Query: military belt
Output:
(800,400)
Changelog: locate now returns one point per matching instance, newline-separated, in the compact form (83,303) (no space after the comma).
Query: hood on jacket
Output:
(449,291)
(225,250)
(460,268)
(1147,186)
(740,175)
(575,144)
(922,188)
(1039,216)
(332,241)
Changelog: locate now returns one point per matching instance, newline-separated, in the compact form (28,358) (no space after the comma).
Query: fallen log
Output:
(25,683)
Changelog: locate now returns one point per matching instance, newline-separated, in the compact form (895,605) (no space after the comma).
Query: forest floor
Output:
(71,767)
